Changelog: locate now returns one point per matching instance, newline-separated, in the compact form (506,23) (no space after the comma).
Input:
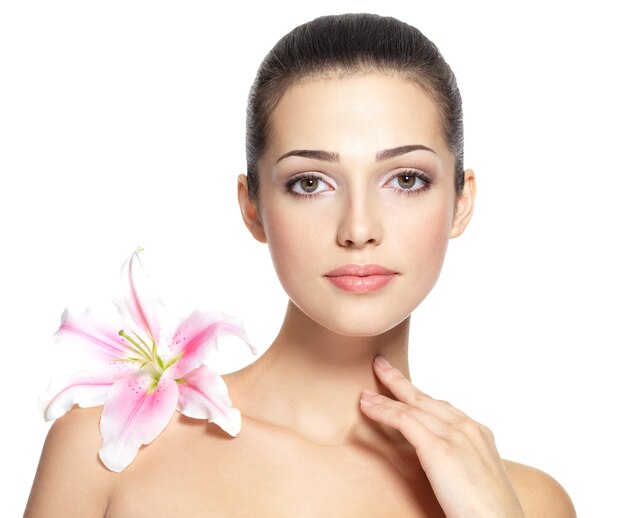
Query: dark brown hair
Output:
(342,44)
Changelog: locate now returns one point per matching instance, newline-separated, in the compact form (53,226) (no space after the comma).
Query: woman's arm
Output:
(71,480)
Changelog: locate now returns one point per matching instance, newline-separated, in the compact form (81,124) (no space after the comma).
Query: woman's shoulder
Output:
(539,493)
(71,479)
(69,468)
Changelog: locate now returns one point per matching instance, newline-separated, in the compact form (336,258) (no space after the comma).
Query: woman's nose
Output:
(359,224)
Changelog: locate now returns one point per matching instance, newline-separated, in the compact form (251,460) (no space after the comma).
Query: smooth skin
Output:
(309,429)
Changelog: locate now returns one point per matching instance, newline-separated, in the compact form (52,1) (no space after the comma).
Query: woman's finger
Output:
(394,413)
(405,391)
(419,432)
(397,382)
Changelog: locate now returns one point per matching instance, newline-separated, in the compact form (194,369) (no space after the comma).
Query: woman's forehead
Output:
(356,112)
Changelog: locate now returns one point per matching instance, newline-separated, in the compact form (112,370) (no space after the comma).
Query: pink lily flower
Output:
(144,368)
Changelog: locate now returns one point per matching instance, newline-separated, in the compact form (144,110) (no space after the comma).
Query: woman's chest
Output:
(261,477)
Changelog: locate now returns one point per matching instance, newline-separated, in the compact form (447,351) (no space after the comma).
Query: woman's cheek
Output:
(293,242)
(428,244)
(415,241)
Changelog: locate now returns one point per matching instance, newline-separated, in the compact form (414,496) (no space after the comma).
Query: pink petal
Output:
(139,296)
(80,388)
(198,333)
(204,395)
(101,341)
(132,416)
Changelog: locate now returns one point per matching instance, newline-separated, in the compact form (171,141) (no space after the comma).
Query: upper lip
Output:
(360,270)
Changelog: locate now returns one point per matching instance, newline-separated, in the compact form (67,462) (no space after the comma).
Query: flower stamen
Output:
(137,347)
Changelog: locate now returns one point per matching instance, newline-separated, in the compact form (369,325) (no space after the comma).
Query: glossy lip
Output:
(358,270)
(360,278)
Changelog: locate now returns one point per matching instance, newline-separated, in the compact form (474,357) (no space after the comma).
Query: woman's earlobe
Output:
(249,213)
(464,205)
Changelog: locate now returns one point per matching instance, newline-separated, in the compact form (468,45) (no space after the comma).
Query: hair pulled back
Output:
(338,45)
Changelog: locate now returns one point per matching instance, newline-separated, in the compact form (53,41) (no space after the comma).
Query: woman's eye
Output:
(306,185)
(407,180)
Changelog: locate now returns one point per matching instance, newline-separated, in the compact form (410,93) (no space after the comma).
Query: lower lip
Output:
(361,284)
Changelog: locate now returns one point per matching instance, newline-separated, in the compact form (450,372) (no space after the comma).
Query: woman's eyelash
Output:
(298,178)
(415,174)
(407,172)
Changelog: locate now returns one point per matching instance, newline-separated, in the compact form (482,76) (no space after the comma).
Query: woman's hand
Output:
(458,454)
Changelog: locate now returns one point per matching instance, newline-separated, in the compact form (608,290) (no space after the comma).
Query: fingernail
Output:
(382,362)
(368,392)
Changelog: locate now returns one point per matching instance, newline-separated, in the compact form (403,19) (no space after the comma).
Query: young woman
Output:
(356,183)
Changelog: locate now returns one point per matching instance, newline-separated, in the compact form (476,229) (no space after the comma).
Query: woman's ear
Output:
(464,207)
(249,212)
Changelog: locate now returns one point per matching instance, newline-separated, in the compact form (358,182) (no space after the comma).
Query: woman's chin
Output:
(353,323)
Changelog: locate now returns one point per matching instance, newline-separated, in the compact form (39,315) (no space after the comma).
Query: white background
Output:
(122,124)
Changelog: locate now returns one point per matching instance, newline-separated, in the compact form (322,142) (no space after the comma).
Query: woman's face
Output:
(358,204)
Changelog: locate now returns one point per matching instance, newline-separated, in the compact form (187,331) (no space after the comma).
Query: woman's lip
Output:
(358,270)
(362,283)
(360,277)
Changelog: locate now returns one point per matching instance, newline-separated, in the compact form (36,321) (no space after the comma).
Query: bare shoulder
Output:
(71,479)
(540,494)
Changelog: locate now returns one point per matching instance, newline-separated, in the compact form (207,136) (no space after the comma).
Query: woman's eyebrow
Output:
(331,156)
(386,154)
(317,154)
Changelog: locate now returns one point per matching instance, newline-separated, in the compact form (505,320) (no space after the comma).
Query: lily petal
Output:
(204,395)
(133,416)
(196,334)
(98,342)
(82,388)
(139,296)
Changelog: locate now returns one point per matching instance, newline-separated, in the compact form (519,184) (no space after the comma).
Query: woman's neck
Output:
(310,380)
